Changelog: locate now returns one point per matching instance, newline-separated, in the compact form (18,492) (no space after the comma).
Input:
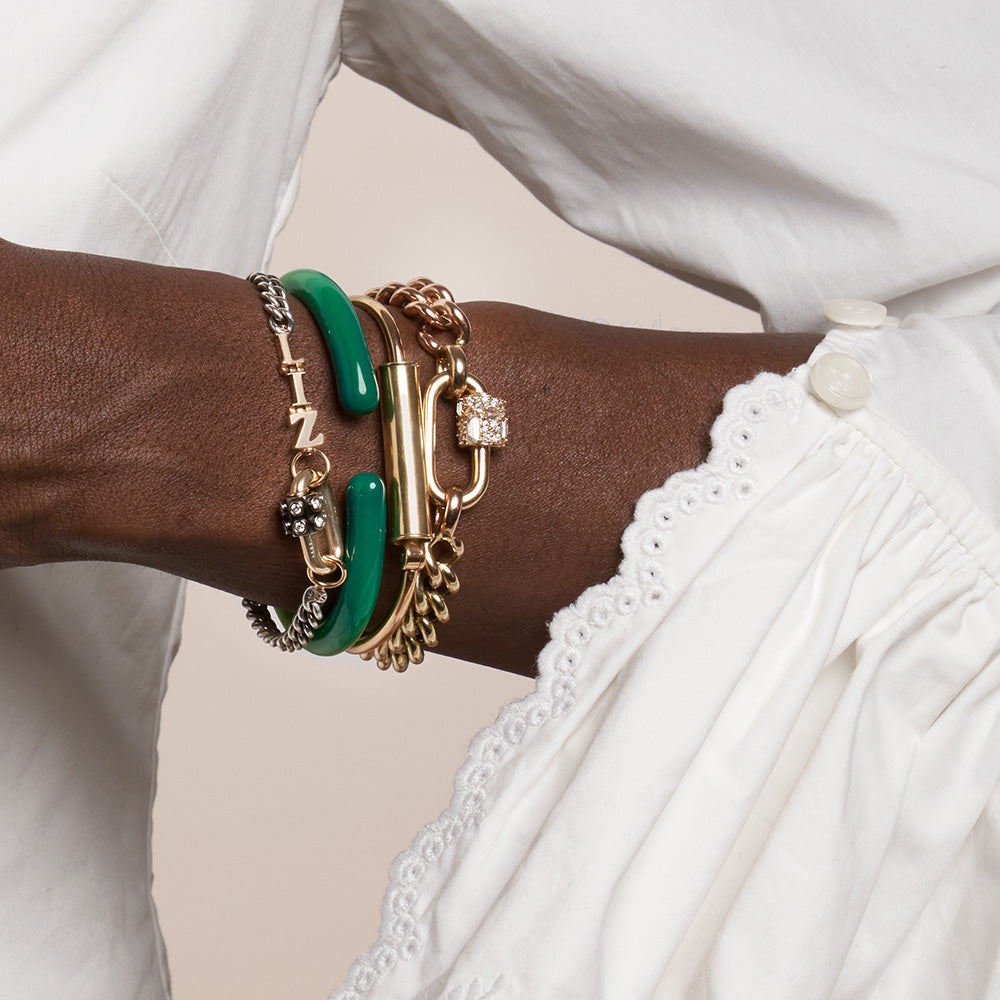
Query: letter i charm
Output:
(301,411)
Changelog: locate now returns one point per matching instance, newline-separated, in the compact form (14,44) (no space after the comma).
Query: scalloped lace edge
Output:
(725,476)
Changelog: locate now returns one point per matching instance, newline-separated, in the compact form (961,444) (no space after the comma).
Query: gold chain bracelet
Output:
(429,547)
(309,512)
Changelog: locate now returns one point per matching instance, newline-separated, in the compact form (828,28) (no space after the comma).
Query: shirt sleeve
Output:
(780,156)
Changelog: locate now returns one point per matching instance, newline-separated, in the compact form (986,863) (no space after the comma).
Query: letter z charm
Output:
(301,411)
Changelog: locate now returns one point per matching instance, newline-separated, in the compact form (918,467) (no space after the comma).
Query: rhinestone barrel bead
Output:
(482,420)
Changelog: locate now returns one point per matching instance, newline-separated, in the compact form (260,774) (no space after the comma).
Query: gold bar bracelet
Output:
(402,433)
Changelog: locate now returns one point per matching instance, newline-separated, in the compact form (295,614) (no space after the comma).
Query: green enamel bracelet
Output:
(364,550)
(345,341)
(365,524)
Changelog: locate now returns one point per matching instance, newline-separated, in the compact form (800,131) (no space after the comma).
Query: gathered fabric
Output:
(761,761)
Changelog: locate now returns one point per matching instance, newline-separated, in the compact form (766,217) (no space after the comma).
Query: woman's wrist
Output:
(147,422)
(598,416)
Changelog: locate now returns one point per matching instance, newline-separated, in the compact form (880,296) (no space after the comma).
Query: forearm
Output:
(598,416)
(143,417)
(147,423)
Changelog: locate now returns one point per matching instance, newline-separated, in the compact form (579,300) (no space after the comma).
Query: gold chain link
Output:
(435,308)
(433,305)
(436,579)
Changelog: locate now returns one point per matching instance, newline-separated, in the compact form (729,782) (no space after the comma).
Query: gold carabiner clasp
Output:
(309,513)
(480,454)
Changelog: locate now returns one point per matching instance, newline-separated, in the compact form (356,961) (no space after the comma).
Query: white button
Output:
(891,321)
(854,312)
(841,381)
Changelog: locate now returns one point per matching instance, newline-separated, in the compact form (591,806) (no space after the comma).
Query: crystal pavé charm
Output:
(302,515)
(482,420)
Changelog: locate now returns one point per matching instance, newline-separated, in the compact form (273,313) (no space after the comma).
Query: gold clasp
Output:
(310,514)
(480,455)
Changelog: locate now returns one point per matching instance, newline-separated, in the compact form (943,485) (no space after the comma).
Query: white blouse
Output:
(762,760)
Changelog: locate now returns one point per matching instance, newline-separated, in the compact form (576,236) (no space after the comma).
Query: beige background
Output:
(288,783)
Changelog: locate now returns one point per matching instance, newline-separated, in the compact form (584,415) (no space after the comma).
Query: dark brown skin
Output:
(145,421)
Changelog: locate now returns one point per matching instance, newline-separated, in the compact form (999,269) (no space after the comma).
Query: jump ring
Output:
(338,571)
(318,477)
(448,515)
(452,360)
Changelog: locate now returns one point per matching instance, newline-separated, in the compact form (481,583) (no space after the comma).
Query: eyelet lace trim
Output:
(726,477)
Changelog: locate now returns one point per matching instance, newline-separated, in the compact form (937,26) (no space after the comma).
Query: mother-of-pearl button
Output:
(854,312)
(841,381)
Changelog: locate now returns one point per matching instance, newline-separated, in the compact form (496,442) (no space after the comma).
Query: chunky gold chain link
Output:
(435,580)
(433,305)
(444,332)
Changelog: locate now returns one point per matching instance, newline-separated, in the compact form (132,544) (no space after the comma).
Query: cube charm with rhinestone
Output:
(482,420)
(302,515)
(310,515)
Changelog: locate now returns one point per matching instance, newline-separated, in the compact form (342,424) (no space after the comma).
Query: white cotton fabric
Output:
(168,132)
(783,155)
(762,760)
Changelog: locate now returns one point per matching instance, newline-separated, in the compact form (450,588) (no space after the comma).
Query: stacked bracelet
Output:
(422,515)
(429,547)
(308,512)
(365,521)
